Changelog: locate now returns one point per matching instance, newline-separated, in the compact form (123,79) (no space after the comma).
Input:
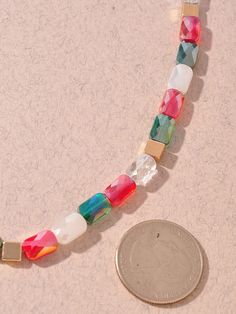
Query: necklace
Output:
(141,171)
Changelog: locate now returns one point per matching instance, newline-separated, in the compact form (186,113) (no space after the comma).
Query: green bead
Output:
(162,129)
(187,54)
(95,208)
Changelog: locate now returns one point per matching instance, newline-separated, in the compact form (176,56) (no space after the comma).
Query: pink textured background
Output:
(80,82)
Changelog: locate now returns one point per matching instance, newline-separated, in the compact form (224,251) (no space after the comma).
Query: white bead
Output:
(142,170)
(69,228)
(180,78)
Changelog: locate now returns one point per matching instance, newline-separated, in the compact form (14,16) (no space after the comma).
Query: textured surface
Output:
(80,84)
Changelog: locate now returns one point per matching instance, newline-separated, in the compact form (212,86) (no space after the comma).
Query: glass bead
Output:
(180,78)
(120,190)
(162,129)
(95,208)
(190,29)
(172,103)
(39,245)
(69,228)
(187,54)
(142,170)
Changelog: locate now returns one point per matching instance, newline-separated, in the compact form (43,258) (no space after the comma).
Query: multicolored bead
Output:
(187,54)
(190,29)
(162,129)
(95,208)
(39,245)
(172,103)
(120,190)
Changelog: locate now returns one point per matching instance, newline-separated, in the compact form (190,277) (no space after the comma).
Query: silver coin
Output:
(159,261)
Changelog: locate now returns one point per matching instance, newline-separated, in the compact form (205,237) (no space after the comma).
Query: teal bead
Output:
(162,129)
(187,54)
(95,208)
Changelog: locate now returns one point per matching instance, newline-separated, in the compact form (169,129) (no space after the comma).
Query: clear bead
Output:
(69,228)
(142,170)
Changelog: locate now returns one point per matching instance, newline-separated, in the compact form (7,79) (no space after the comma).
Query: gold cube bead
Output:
(154,149)
(189,9)
(11,252)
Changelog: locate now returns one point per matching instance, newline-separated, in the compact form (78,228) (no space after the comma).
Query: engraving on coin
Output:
(159,261)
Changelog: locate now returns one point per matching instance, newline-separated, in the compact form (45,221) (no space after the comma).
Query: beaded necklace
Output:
(141,171)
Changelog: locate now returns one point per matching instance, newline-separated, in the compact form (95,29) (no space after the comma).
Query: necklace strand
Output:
(141,171)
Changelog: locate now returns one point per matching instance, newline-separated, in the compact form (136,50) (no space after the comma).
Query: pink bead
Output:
(120,190)
(172,103)
(190,29)
(39,245)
